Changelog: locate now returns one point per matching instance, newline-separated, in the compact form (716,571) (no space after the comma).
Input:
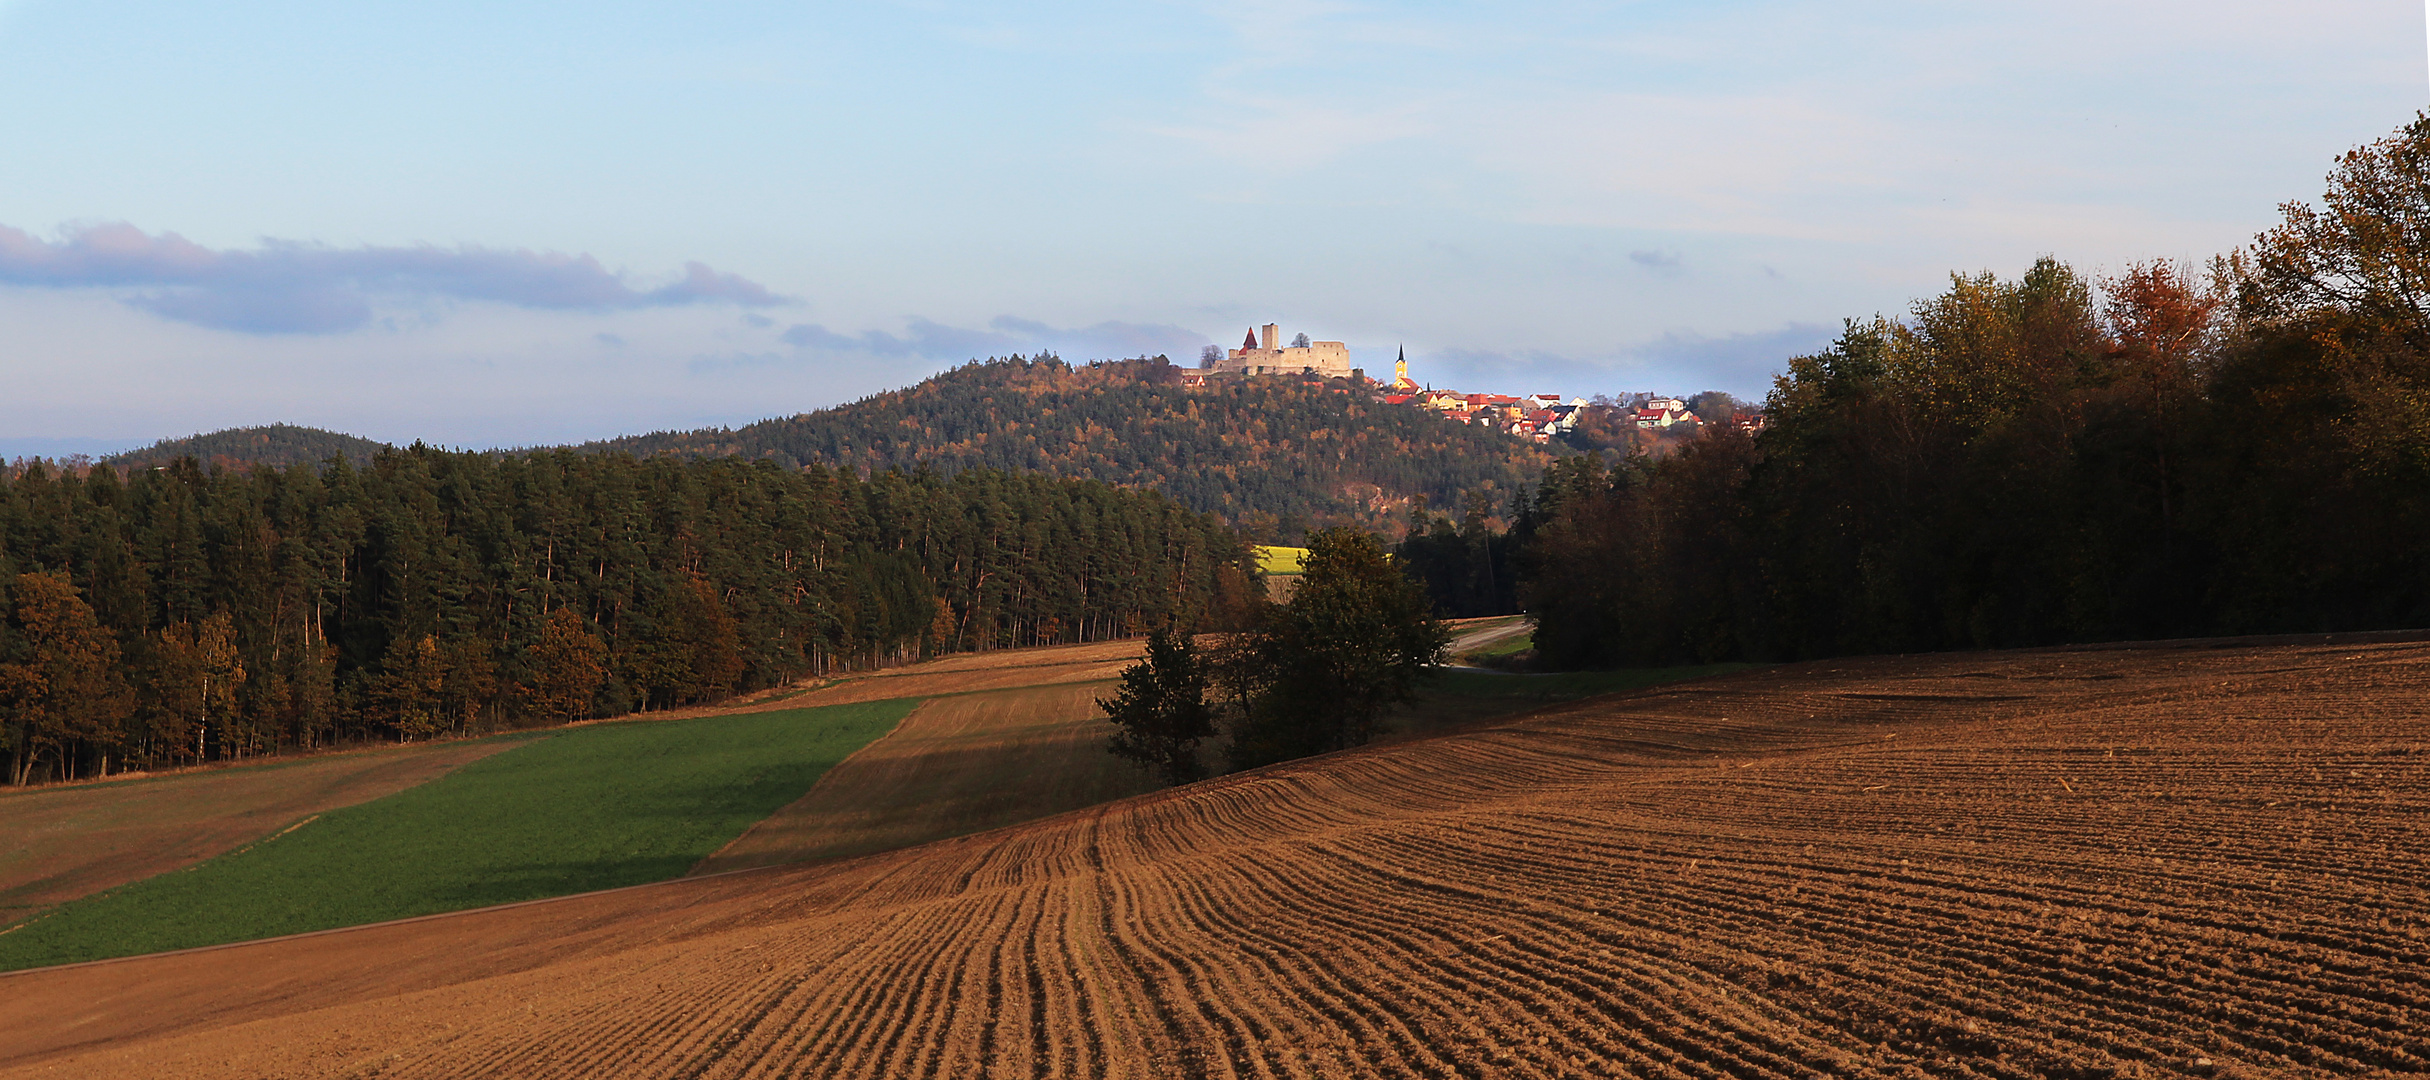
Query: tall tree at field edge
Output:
(1352,644)
(1161,709)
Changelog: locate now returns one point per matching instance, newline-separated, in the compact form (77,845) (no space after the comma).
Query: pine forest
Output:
(174,614)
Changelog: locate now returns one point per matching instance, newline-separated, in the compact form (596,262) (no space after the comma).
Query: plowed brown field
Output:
(956,765)
(966,673)
(2157,861)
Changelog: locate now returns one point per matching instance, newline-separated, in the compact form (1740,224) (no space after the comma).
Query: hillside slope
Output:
(1259,452)
(1275,455)
(2179,860)
(271,444)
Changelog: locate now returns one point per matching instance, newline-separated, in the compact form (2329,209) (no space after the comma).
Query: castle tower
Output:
(1273,336)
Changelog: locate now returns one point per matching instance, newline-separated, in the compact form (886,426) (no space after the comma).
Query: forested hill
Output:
(273,444)
(1270,454)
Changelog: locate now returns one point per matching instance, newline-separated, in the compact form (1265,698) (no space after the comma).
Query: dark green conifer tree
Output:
(1161,710)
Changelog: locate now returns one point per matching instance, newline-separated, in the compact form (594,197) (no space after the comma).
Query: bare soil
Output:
(956,765)
(966,673)
(2191,859)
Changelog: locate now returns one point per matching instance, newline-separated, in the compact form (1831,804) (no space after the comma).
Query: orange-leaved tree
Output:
(566,668)
(63,687)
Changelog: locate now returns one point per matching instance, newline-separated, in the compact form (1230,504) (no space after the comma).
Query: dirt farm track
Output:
(2190,859)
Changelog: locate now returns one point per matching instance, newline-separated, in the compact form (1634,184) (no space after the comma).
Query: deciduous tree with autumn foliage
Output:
(61,684)
(2166,452)
(568,665)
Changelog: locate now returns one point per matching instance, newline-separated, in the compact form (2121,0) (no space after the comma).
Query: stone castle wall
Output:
(1327,358)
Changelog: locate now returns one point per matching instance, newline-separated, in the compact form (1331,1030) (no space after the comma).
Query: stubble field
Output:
(2176,860)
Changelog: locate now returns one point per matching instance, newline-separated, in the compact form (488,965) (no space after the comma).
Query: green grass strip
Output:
(588,808)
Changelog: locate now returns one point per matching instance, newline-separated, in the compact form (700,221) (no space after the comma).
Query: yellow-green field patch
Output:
(1280,560)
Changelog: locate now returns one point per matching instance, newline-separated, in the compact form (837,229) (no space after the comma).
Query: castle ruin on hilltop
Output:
(1327,358)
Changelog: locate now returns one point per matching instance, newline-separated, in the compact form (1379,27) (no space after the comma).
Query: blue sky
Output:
(518,223)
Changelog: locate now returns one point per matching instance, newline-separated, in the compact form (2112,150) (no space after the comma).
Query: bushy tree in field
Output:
(1161,709)
(1353,643)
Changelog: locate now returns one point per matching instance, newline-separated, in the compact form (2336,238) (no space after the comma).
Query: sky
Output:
(511,224)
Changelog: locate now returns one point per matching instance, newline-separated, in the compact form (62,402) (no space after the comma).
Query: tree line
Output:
(176,614)
(2170,451)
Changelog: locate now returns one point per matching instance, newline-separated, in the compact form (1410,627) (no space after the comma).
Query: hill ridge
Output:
(1271,453)
(1275,455)
(277,444)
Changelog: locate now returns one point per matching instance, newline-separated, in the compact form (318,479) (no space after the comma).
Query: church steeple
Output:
(1400,372)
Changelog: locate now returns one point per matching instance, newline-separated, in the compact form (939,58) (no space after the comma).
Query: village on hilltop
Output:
(1539,417)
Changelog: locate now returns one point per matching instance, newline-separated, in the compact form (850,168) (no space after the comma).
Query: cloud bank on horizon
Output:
(285,287)
(1656,195)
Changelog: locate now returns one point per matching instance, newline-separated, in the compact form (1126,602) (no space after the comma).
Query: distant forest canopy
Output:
(1276,456)
(273,444)
(178,614)
(2163,453)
